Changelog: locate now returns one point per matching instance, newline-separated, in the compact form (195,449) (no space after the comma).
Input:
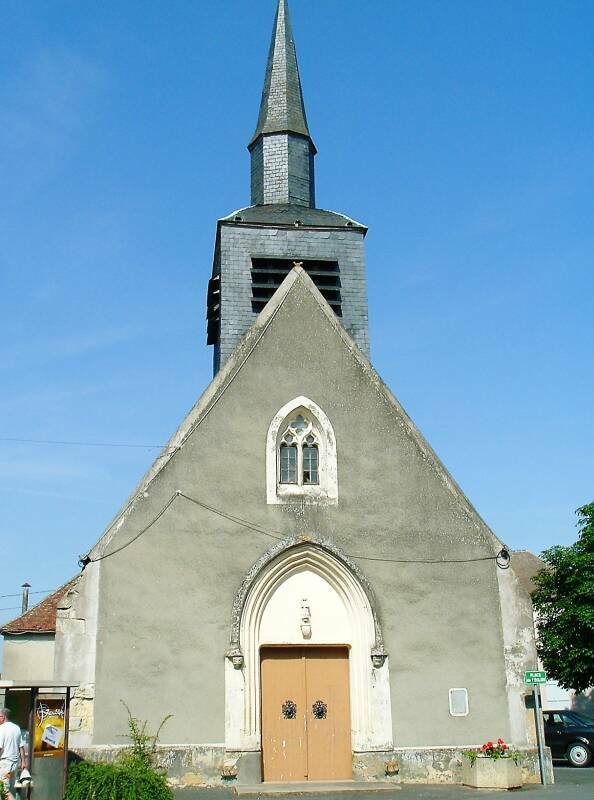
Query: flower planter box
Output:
(488,773)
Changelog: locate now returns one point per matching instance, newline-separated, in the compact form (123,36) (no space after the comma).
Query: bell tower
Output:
(256,246)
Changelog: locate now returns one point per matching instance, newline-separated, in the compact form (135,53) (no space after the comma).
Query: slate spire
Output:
(281,148)
(282,108)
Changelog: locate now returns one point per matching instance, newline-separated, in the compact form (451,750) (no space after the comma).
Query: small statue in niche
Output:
(305,619)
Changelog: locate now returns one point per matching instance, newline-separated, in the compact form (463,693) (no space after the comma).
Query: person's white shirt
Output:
(11,740)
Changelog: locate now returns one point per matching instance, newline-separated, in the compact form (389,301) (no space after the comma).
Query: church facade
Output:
(297,579)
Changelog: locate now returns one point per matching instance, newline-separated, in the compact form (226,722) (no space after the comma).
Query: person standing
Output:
(12,753)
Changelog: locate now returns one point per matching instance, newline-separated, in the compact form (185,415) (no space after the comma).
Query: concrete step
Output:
(313,787)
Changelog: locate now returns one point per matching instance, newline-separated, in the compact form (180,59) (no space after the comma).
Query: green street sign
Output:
(535,676)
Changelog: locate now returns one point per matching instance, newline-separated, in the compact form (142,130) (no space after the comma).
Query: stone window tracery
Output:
(301,461)
(299,453)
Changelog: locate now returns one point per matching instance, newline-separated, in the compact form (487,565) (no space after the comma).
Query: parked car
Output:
(569,736)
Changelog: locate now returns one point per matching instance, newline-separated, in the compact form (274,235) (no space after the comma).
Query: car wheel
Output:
(579,755)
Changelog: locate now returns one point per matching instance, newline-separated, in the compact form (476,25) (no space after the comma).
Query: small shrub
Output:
(133,776)
(89,781)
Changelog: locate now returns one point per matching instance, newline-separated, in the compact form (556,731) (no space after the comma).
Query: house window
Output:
(299,454)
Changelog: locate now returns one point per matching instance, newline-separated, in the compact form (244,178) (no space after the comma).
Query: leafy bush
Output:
(119,781)
(133,776)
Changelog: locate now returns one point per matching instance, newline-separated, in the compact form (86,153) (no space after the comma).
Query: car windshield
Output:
(571,718)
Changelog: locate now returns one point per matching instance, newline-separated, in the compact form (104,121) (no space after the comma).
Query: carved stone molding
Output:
(235,653)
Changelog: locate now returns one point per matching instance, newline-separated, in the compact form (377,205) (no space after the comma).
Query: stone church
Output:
(297,579)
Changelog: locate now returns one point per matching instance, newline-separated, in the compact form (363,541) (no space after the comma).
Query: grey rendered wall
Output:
(239,243)
(166,600)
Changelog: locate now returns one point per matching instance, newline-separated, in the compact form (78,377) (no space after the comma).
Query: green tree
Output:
(564,608)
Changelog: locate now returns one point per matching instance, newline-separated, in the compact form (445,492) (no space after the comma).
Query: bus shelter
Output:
(42,710)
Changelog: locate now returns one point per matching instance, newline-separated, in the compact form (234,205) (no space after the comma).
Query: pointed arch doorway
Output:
(304,623)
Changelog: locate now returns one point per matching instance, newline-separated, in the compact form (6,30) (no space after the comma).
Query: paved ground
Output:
(570,784)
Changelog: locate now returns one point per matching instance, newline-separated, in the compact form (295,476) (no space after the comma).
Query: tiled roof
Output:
(42,617)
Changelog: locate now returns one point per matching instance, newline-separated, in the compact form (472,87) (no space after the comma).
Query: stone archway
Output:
(272,607)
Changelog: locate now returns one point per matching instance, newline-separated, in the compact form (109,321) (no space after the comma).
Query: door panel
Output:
(306,724)
(284,750)
(328,714)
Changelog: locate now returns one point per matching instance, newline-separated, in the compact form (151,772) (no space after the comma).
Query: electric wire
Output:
(238,521)
(11,608)
(502,558)
(83,561)
(19,594)
(173,450)
(83,444)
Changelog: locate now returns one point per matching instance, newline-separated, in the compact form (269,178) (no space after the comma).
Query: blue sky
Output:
(459,130)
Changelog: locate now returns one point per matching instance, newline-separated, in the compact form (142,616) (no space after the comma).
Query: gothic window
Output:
(298,453)
(301,460)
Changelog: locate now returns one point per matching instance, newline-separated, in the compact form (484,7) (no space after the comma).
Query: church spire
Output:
(282,108)
(281,148)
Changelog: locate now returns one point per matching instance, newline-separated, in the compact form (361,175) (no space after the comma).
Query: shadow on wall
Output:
(583,703)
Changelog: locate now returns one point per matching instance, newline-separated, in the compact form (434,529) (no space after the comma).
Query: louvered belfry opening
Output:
(213,310)
(269,273)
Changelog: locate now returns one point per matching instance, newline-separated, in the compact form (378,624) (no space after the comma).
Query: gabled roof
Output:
(281,107)
(296,281)
(42,617)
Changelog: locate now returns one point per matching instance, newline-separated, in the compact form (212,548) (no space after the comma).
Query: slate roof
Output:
(281,107)
(42,617)
(287,214)
(525,564)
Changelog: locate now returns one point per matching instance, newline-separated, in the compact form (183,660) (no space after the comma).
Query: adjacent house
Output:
(29,640)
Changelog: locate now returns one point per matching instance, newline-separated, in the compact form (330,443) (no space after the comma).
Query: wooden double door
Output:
(306,720)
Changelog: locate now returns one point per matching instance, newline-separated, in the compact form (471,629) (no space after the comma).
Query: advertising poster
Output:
(49,727)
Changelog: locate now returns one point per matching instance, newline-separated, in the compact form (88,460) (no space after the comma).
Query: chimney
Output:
(25,602)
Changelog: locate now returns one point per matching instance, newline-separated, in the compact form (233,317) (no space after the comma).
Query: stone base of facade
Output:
(213,765)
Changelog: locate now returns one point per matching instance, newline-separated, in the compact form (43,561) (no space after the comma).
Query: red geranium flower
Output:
(504,747)
(499,741)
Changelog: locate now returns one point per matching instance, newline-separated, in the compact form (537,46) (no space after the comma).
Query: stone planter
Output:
(487,773)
